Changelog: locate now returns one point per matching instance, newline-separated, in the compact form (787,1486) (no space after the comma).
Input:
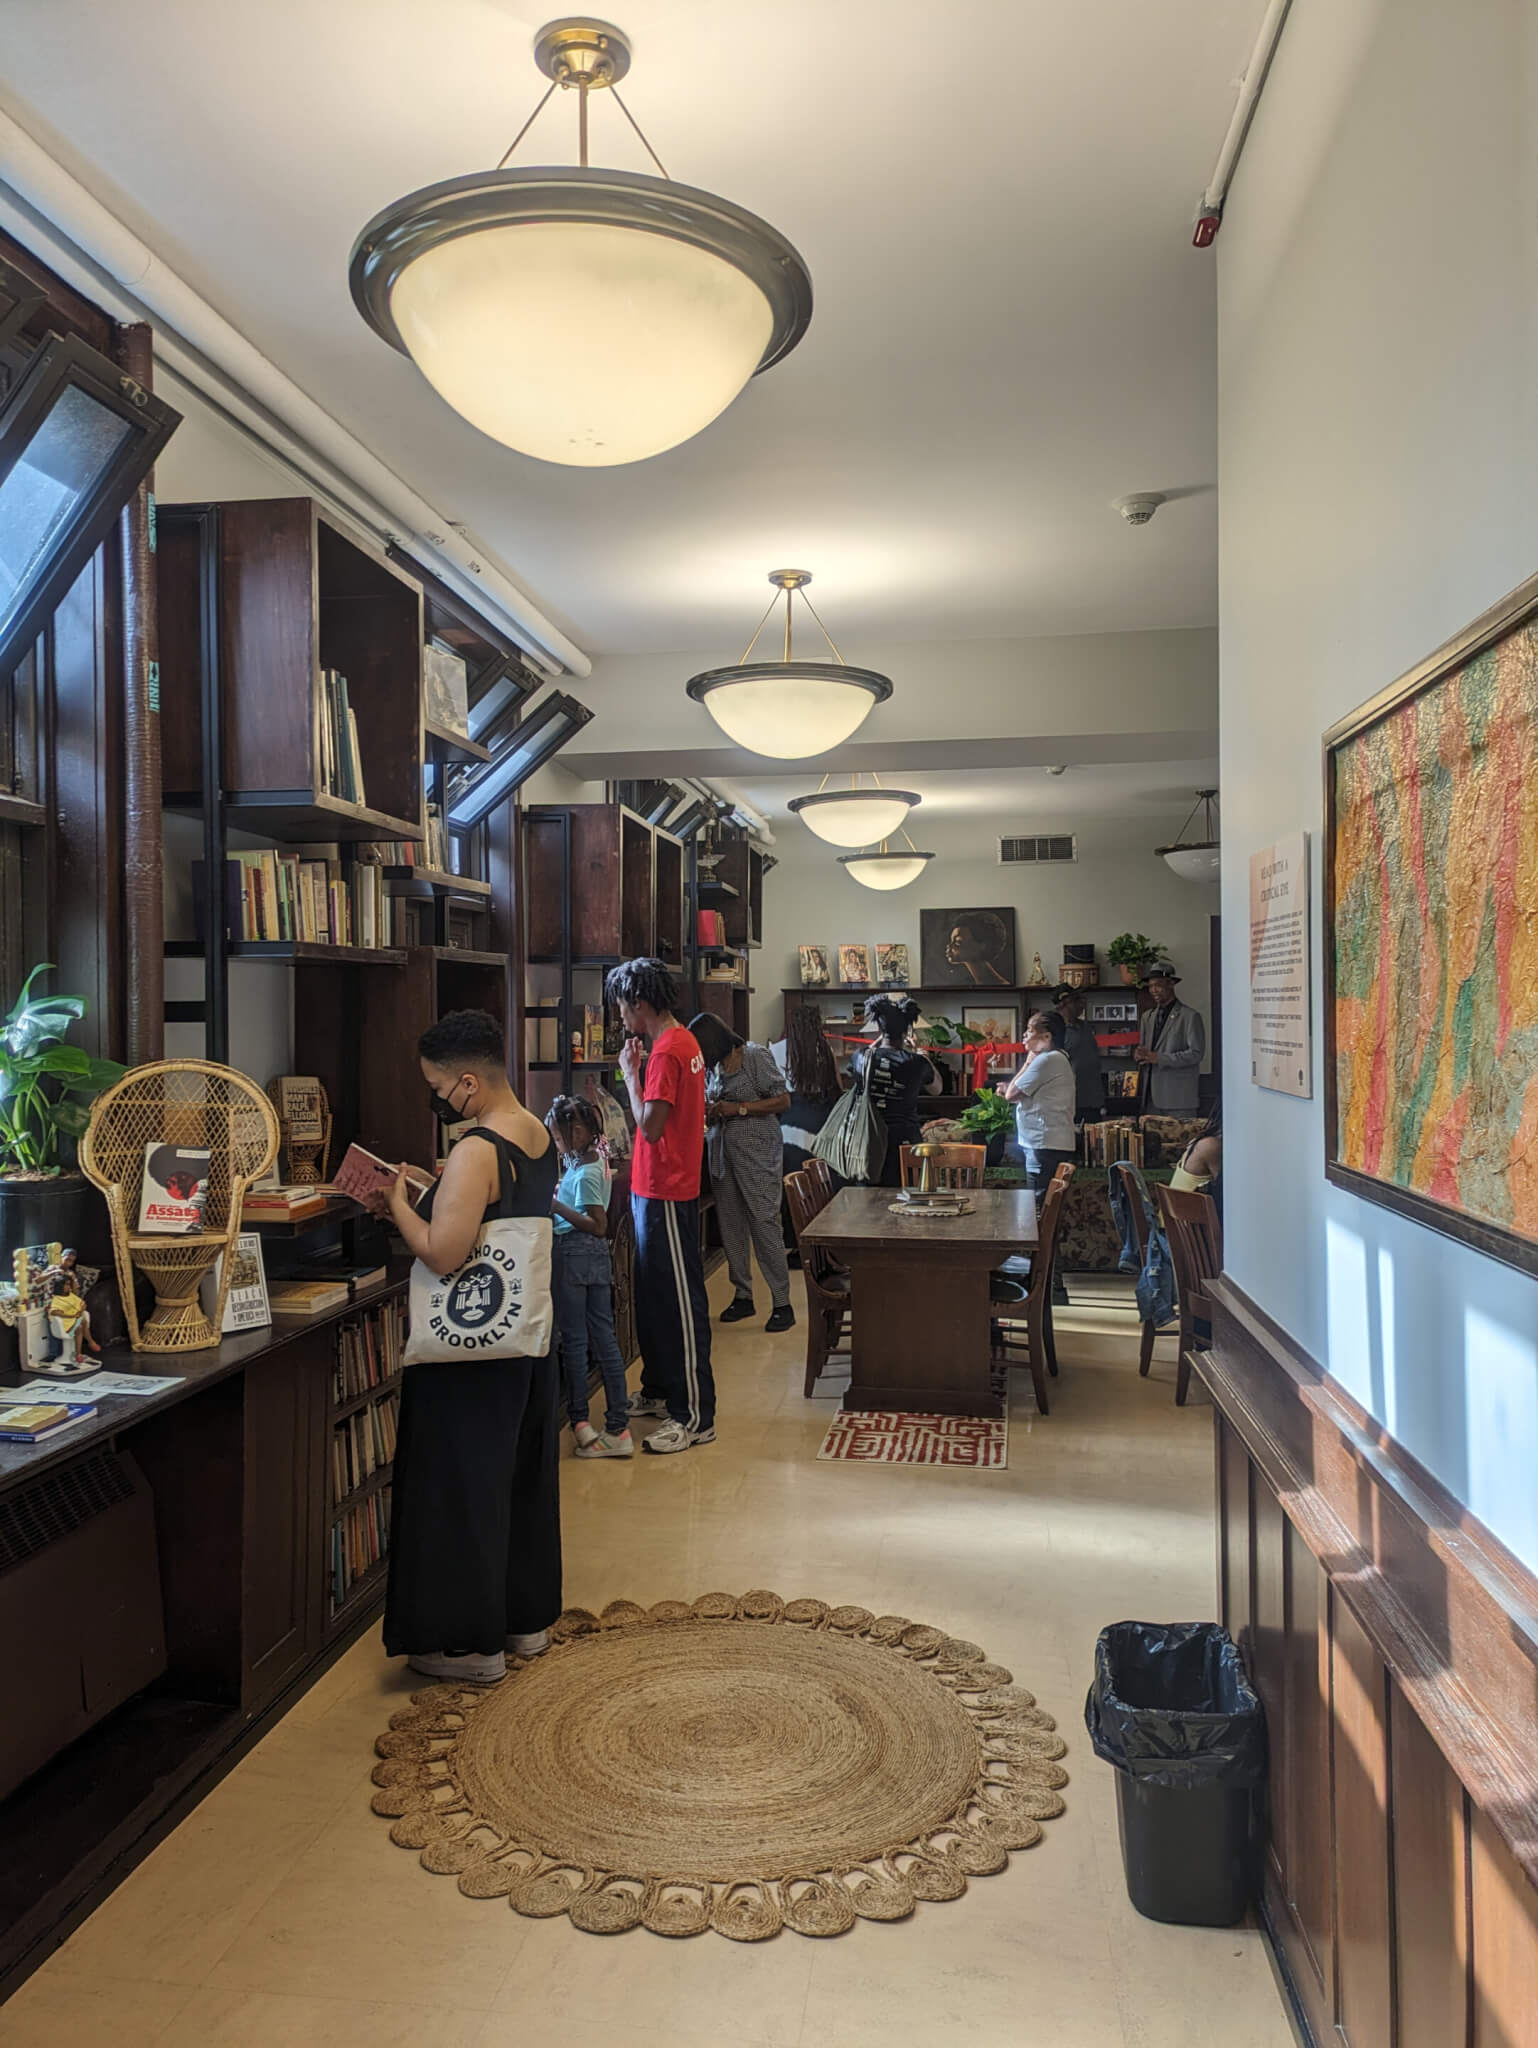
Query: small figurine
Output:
(1038,972)
(69,1320)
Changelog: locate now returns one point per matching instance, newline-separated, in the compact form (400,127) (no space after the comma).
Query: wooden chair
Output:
(1134,1193)
(1196,1252)
(1031,1303)
(827,1283)
(820,1174)
(950,1166)
(1017,1266)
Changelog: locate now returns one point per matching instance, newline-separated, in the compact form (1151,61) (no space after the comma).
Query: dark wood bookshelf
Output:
(380,1476)
(465,956)
(448,885)
(287,951)
(444,745)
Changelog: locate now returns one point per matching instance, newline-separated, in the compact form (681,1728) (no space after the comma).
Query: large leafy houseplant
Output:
(46,1087)
(987,1116)
(1131,952)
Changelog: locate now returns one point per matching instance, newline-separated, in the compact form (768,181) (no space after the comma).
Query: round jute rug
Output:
(743,1764)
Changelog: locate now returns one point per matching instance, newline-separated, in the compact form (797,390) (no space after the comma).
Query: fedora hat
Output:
(1160,971)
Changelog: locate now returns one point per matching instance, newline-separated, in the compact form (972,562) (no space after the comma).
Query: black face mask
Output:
(443,1108)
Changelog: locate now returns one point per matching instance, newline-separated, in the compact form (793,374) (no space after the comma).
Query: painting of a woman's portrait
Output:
(967,948)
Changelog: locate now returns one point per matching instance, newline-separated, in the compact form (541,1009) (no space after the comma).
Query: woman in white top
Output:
(1044,1093)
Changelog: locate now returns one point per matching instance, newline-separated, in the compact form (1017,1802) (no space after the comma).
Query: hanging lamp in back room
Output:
(853,816)
(789,709)
(585,316)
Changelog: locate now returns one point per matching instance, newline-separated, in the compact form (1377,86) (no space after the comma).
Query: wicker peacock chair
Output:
(190,1103)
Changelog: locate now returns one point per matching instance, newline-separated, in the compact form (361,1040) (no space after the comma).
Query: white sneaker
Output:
(585,1435)
(529,1646)
(677,1436)
(472,1669)
(647,1404)
(606,1446)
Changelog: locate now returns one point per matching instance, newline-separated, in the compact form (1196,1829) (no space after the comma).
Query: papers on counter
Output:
(90,1386)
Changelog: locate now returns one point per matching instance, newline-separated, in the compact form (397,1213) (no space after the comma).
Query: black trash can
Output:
(1173,1711)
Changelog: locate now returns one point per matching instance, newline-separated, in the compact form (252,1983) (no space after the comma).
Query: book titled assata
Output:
(174,1189)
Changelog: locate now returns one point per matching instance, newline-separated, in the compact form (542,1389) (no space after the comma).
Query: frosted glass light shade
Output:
(885,870)
(854,817)
(1194,863)
(581,343)
(789,709)
(586,317)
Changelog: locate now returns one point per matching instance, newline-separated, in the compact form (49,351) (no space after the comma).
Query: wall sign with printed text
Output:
(1281,990)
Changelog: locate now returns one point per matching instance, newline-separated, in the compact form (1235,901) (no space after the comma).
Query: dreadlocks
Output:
(644,980)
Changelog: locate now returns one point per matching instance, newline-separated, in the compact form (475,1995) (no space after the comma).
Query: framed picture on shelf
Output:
(814,966)
(999,1022)
(892,969)
(1431,797)
(854,966)
(967,948)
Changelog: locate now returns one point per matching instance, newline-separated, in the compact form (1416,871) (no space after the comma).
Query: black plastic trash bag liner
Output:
(1171,1705)
(1172,1709)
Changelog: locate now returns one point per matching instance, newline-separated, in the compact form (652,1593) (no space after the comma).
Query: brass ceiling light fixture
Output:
(853,816)
(789,709)
(584,316)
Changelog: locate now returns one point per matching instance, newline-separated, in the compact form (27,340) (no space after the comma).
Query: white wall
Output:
(1378,313)
(1115,885)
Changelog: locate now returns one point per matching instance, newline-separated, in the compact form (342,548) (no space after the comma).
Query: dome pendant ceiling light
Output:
(787,708)
(853,816)
(1196,860)
(885,869)
(584,316)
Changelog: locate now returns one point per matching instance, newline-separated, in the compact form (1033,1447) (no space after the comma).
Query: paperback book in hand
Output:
(363,1173)
(174,1189)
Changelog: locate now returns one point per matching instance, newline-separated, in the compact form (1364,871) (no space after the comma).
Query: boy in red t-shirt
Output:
(667,1098)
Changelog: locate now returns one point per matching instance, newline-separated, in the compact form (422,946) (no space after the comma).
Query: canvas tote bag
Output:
(853,1139)
(497,1304)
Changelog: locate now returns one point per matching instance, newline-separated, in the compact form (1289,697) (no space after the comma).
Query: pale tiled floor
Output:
(279,1915)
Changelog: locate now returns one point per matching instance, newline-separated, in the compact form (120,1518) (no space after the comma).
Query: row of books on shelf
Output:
(360,1444)
(369,1351)
(360,1537)
(341,763)
(272,897)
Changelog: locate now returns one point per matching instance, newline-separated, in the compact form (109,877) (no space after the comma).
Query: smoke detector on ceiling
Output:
(1140,507)
(1058,768)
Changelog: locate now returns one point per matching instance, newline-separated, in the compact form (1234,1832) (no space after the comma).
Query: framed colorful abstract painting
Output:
(1431,939)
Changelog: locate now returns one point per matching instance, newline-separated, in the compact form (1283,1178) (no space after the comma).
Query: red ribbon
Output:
(983,1055)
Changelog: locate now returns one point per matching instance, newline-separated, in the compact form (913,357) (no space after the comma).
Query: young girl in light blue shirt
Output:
(582,1280)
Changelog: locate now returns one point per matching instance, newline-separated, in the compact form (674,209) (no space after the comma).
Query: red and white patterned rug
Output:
(895,1439)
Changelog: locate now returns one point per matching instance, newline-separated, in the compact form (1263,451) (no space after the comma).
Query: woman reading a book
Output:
(475,1532)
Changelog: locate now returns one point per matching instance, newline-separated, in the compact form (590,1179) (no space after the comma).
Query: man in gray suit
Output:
(1173,1042)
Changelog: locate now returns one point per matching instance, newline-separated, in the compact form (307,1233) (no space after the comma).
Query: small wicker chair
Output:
(190,1103)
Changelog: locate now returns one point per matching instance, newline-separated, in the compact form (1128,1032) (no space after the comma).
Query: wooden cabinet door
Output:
(276,1608)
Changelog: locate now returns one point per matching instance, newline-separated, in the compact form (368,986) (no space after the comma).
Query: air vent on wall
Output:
(1059,847)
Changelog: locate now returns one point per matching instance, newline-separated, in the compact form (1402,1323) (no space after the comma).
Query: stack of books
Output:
(369,1351)
(282,1204)
(360,1444)
(341,764)
(1108,1142)
(307,1297)
(30,1423)
(359,1539)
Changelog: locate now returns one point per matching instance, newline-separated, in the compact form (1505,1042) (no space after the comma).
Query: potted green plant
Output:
(46,1091)
(1132,953)
(989,1120)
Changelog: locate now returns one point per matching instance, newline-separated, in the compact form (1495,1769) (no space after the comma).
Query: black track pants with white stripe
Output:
(672,1314)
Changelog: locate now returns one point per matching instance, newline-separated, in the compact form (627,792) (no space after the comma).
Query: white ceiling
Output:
(1029,797)
(1011,328)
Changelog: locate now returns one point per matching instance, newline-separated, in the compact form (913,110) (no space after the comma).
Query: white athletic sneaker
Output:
(529,1646)
(677,1436)
(645,1404)
(585,1435)
(606,1446)
(472,1669)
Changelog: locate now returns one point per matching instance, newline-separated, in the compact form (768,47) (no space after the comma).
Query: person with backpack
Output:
(895,1077)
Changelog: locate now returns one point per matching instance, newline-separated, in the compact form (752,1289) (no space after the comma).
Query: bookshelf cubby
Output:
(362,1413)
(296,596)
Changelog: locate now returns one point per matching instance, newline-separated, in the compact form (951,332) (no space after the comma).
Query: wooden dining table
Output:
(919,1295)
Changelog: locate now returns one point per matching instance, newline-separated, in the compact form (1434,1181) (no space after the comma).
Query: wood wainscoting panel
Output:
(1394,1643)
(1431,1881)
(1504,1911)
(1364,2008)
(1304,1747)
